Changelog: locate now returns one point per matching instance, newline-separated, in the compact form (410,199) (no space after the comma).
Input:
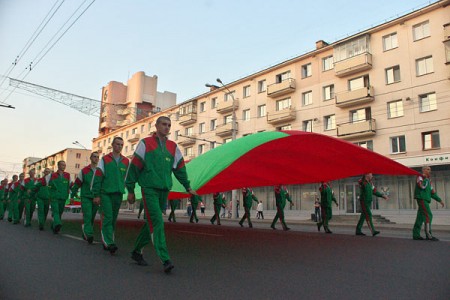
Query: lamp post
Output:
(79,144)
(233,137)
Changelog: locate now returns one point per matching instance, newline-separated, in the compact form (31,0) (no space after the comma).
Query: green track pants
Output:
(110,205)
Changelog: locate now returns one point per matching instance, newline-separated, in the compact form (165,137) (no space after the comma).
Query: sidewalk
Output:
(404,220)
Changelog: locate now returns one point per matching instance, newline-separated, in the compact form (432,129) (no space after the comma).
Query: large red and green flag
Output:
(282,157)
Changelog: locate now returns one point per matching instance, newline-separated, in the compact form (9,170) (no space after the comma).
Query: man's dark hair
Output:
(117,138)
(162,118)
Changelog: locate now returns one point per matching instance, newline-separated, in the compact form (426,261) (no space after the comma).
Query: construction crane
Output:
(88,106)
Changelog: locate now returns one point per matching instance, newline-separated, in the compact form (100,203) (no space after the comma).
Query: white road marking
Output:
(77,238)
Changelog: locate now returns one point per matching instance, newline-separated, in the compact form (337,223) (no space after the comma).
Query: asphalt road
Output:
(222,262)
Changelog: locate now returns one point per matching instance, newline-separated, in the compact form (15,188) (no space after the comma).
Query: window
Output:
(133,131)
(283,104)
(212,145)
(202,106)
(366,144)
(358,83)
(395,109)
(121,134)
(282,77)
(327,63)
(149,126)
(201,149)
(227,140)
(447,51)
(421,31)
(261,111)
(175,135)
(98,145)
(430,140)
(77,166)
(246,91)
(104,142)
(187,109)
(307,125)
(246,115)
(424,65)
(189,131)
(261,86)
(360,115)
(78,155)
(427,102)
(142,128)
(229,96)
(328,92)
(285,127)
(307,98)
(126,135)
(133,147)
(330,122)
(202,128)
(126,149)
(306,70)
(390,41)
(214,102)
(109,139)
(398,144)
(213,124)
(189,152)
(227,119)
(352,48)
(392,74)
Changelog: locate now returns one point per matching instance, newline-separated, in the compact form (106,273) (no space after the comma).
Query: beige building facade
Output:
(75,159)
(386,89)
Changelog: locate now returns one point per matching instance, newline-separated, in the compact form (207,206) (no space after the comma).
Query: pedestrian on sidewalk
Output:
(248,198)
(281,195)
(152,165)
(326,199)
(317,210)
(202,208)
(367,190)
(259,210)
(423,194)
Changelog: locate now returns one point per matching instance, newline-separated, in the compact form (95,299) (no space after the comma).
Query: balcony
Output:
(353,65)
(278,89)
(124,112)
(103,124)
(227,106)
(225,129)
(134,138)
(357,129)
(186,141)
(123,122)
(281,116)
(355,97)
(188,119)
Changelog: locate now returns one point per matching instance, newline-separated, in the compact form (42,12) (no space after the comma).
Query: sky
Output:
(185,43)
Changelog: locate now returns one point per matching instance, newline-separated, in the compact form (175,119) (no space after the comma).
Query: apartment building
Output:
(75,159)
(386,89)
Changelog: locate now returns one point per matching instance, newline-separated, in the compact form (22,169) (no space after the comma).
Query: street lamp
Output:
(233,137)
(79,144)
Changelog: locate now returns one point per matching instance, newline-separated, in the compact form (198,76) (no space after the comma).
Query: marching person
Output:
(173,206)
(59,187)
(248,197)
(41,190)
(85,181)
(14,189)
(218,202)
(423,194)
(28,197)
(367,190)
(113,167)
(20,197)
(152,165)
(195,200)
(3,188)
(326,199)
(281,195)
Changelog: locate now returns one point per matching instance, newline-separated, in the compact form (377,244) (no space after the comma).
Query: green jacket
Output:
(112,177)
(88,180)
(195,199)
(326,195)
(3,192)
(281,195)
(41,188)
(153,163)
(366,190)
(248,197)
(59,186)
(28,186)
(424,190)
(219,199)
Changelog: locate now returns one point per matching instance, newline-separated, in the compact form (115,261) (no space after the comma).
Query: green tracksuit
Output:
(219,202)
(281,195)
(152,166)
(326,200)
(13,195)
(59,186)
(423,194)
(85,181)
(173,205)
(29,199)
(21,201)
(42,193)
(112,188)
(2,200)
(141,208)
(195,200)
(366,189)
(248,197)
